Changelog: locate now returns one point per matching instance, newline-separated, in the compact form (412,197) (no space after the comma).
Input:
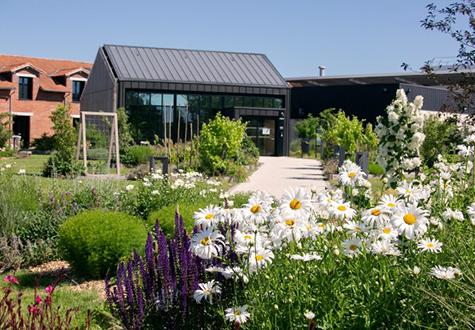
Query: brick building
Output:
(31,88)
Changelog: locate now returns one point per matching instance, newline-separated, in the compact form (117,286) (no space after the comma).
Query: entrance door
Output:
(21,126)
(262,132)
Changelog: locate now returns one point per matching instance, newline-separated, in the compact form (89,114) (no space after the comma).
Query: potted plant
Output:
(307,129)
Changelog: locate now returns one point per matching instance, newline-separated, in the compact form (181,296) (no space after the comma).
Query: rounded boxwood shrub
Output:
(93,242)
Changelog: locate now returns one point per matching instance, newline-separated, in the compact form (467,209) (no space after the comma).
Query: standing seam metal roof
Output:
(193,66)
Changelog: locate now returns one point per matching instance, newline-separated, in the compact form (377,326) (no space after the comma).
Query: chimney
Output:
(321,68)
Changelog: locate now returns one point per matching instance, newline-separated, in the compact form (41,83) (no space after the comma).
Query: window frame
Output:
(25,88)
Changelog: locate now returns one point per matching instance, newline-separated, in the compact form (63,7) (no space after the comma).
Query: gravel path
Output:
(276,174)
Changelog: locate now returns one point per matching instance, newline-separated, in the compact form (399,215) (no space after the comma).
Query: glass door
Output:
(261,130)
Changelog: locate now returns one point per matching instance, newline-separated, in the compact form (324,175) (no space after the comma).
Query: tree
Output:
(456,20)
(125,137)
(62,162)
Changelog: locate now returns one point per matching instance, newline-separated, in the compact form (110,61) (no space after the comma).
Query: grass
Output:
(33,164)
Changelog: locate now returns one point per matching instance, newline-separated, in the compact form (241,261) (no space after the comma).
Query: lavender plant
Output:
(157,289)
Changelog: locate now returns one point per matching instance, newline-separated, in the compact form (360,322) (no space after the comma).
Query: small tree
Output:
(125,137)
(5,133)
(307,128)
(62,161)
(220,144)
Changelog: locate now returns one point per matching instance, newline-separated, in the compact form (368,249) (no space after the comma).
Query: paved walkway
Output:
(276,174)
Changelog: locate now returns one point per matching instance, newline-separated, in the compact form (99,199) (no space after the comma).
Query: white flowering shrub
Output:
(400,137)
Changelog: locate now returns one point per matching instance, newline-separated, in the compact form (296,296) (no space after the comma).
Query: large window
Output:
(78,87)
(25,88)
(179,116)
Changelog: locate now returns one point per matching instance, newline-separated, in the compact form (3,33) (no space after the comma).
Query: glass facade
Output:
(178,116)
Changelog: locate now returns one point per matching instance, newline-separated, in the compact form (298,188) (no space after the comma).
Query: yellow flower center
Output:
(209,216)
(351,175)
(255,208)
(429,245)
(376,212)
(409,219)
(341,208)
(205,241)
(387,231)
(237,312)
(353,247)
(290,222)
(391,205)
(295,204)
(247,237)
(259,257)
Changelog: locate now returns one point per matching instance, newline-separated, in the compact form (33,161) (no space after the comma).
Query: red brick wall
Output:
(41,106)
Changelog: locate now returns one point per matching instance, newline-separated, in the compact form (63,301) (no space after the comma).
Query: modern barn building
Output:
(367,96)
(170,93)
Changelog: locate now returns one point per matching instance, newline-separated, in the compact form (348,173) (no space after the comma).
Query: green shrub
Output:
(5,133)
(166,215)
(44,143)
(93,242)
(137,155)
(240,199)
(375,169)
(249,151)
(307,128)
(441,137)
(220,144)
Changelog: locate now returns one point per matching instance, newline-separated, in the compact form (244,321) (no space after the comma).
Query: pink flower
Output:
(48,300)
(49,289)
(32,309)
(38,300)
(11,279)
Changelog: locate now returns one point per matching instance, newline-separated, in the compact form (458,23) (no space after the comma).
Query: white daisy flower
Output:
(445,273)
(353,227)
(247,240)
(207,244)
(129,187)
(258,207)
(237,314)
(342,210)
(209,216)
(376,216)
(21,171)
(352,247)
(385,247)
(350,174)
(430,245)
(389,203)
(305,257)
(260,258)
(387,232)
(309,315)
(410,220)
(296,202)
(206,291)
(289,227)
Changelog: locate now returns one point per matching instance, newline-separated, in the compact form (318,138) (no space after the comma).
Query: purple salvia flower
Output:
(164,264)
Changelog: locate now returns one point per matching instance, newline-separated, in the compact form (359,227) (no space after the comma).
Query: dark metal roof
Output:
(193,66)
(416,78)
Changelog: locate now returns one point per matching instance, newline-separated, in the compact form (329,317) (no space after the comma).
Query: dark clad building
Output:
(170,93)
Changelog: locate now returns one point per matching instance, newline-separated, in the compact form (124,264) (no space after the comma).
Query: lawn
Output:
(32,165)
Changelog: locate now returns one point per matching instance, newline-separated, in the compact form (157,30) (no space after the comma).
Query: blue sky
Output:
(347,36)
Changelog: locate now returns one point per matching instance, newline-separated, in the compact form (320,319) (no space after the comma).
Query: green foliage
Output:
(220,144)
(375,169)
(345,132)
(125,137)
(166,215)
(64,142)
(44,143)
(307,128)
(249,152)
(5,133)
(136,155)
(93,242)
(441,137)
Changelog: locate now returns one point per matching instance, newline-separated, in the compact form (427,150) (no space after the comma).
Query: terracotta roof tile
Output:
(6,84)
(47,67)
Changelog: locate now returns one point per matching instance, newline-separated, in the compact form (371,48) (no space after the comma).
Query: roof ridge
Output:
(188,49)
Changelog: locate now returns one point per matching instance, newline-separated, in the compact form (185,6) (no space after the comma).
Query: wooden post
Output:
(78,146)
(164,118)
(111,141)
(117,151)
